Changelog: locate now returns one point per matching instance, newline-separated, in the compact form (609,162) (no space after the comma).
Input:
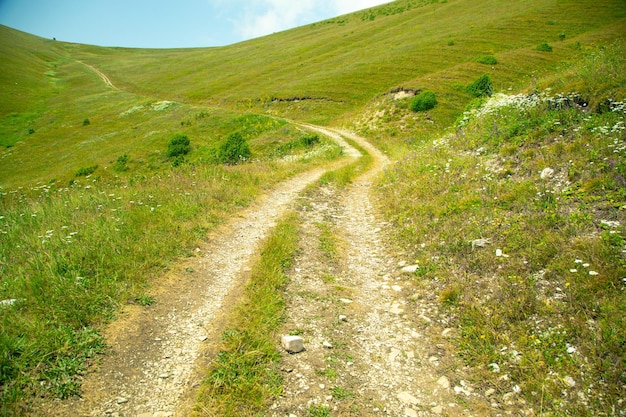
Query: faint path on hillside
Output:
(100,74)
(158,353)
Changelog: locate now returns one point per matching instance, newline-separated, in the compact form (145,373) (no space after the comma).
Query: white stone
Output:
(343,318)
(409,412)
(569,381)
(407,398)
(444,382)
(437,410)
(481,243)
(292,344)
(547,173)
(122,400)
(490,392)
(410,269)
(327,345)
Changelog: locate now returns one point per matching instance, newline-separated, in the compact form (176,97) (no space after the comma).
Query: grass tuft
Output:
(245,376)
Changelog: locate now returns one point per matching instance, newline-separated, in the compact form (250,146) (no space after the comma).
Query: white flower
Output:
(573,270)
(593,273)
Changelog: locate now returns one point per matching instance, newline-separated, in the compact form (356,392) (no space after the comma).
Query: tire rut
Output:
(367,352)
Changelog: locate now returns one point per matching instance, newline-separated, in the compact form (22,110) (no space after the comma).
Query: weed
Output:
(544,47)
(121,163)
(315,410)
(145,300)
(85,171)
(487,60)
(341,393)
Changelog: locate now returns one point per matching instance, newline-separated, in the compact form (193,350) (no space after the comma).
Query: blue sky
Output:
(167,23)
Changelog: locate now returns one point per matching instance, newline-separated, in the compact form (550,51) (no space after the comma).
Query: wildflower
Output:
(593,273)
(573,270)
(578,261)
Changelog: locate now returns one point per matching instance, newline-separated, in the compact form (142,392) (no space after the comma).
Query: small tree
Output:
(482,86)
(425,100)
(233,150)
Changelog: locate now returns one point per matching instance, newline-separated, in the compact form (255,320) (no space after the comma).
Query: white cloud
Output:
(261,17)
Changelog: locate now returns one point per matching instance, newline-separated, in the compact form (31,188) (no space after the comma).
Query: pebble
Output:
(122,400)
(569,381)
(343,318)
(411,269)
(437,409)
(409,412)
(407,398)
(444,382)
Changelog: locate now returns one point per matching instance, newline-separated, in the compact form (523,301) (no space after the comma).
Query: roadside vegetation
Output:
(516,219)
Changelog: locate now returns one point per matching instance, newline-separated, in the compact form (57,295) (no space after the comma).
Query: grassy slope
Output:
(352,59)
(345,62)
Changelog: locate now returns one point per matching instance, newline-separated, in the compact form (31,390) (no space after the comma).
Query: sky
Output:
(167,23)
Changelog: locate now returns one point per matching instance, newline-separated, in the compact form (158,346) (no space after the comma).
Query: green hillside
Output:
(94,202)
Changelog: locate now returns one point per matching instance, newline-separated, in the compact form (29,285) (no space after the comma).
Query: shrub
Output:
(233,150)
(487,60)
(425,100)
(84,171)
(482,86)
(544,47)
(86,122)
(120,164)
(178,145)
(310,140)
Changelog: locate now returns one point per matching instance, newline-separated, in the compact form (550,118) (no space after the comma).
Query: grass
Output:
(245,376)
(545,298)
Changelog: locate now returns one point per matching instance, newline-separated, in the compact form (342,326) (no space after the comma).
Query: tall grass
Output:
(538,302)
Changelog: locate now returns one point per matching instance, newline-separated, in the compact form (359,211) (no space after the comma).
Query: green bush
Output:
(487,60)
(178,145)
(544,47)
(233,150)
(482,86)
(84,171)
(310,140)
(425,100)
(120,164)
(86,122)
